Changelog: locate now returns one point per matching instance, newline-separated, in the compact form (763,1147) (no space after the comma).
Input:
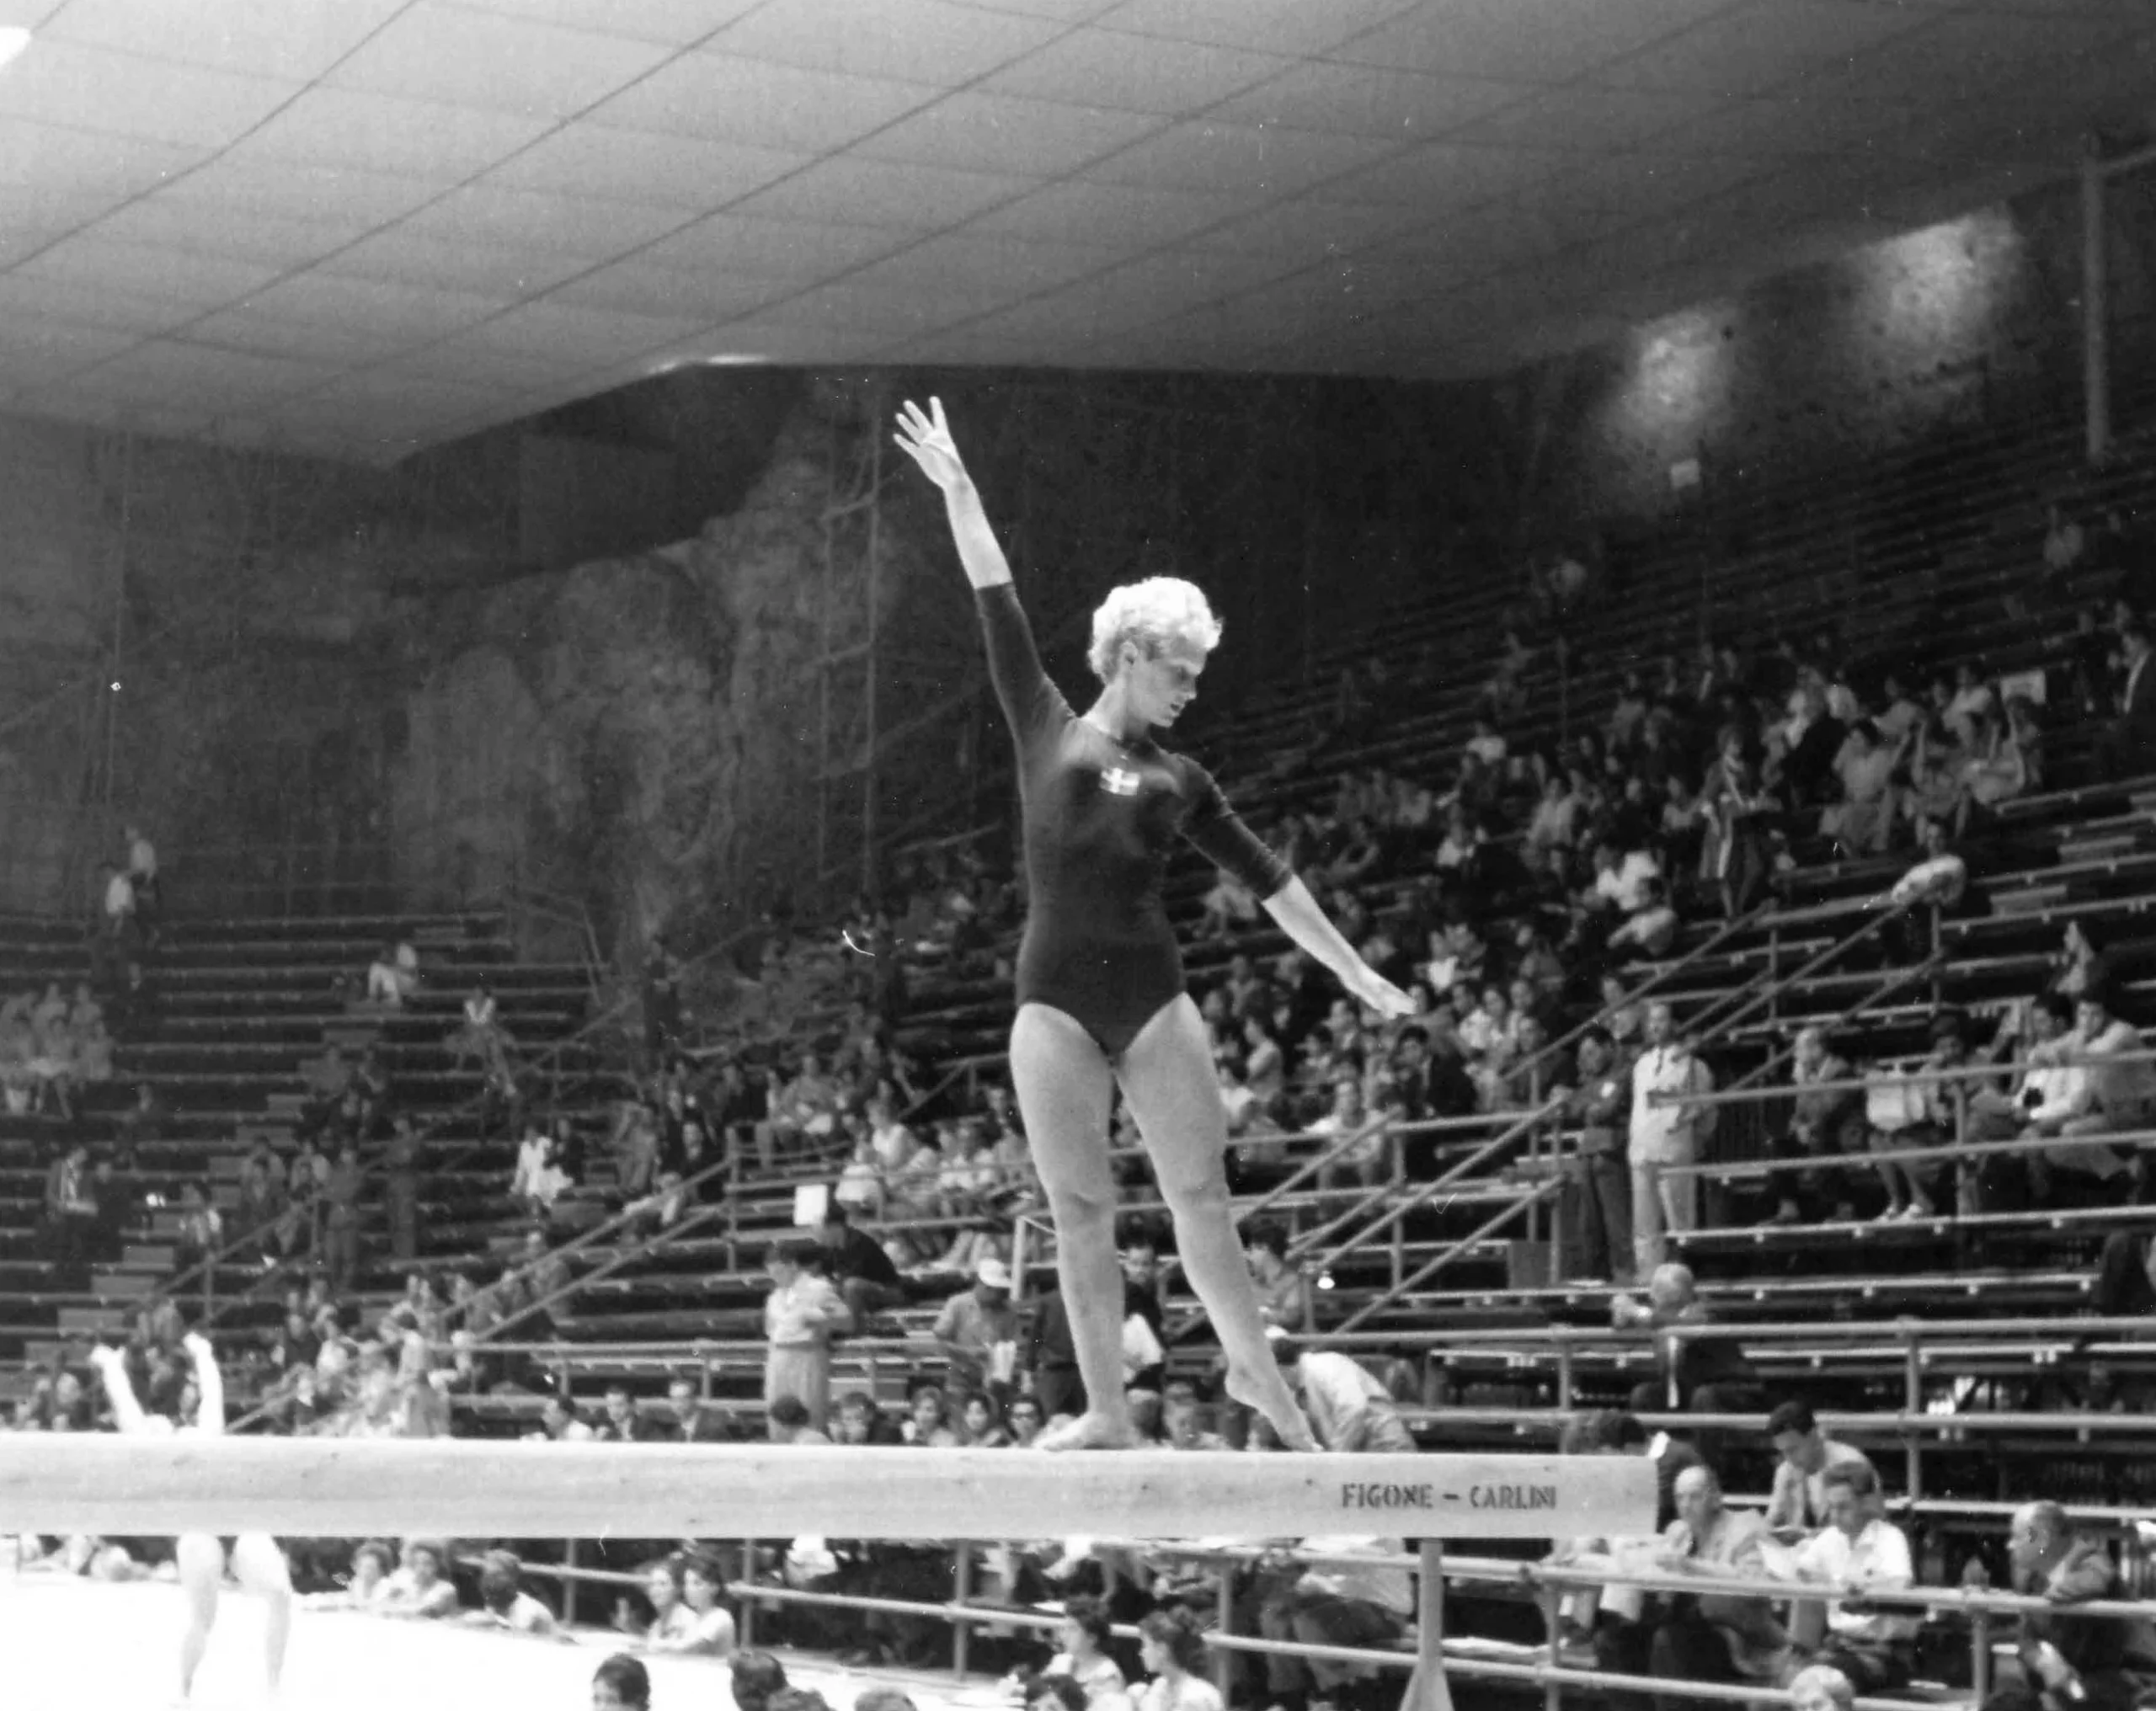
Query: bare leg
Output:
(1065,1092)
(263,1571)
(201,1567)
(1168,1075)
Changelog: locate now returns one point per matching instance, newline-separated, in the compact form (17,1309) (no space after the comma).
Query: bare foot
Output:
(1089,1431)
(1271,1397)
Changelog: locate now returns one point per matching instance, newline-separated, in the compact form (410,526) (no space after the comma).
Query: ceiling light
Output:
(12,41)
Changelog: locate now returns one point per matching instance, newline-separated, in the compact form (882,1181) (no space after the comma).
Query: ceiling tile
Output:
(430,141)
(1294,26)
(920,41)
(493,271)
(45,350)
(27,299)
(1311,227)
(1113,214)
(297,41)
(851,191)
(466,366)
(977,273)
(1004,133)
(205,375)
(567,332)
(854,309)
(358,306)
(1762,43)
(325,339)
(1444,174)
(677,23)
(1589,120)
(779,250)
(177,276)
(686,173)
(262,189)
(1144,74)
(1535,41)
(59,159)
(1368,101)
(130,96)
(280,244)
(1216,156)
(764,106)
(638,288)
(437,52)
(1812,121)
(586,226)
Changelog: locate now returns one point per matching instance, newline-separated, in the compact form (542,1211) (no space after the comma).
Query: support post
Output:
(962,1594)
(568,1583)
(1426,1688)
(2096,304)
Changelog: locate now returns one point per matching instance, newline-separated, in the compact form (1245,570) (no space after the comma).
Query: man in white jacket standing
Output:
(1663,1134)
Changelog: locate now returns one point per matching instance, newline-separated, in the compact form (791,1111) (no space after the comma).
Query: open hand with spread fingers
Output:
(925,438)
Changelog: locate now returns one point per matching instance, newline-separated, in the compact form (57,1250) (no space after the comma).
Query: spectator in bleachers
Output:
(70,1210)
(420,1589)
(1821,1687)
(621,1421)
(1366,1606)
(1738,808)
(1663,1134)
(1860,822)
(1858,1549)
(1798,1503)
(538,1181)
(1362,1135)
(1171,1649)
(2127,748)
(480,1037)
(977,1331)
(393,976)
(704,1628)
(1349,1410)
(799,1315)
(1284,1292)
(2117,1092)
(786,1422)
(1825,1127)
(1597,1105)
(1909,1115)
(504,1603)
(2103,1662)
(620,1683)
(859,1269)
(1715,1637)
(1692,1373)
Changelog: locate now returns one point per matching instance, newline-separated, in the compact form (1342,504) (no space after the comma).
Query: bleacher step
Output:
(149,1255)
(2027,900)
(2109,847)
(90,1320)
(113,1282)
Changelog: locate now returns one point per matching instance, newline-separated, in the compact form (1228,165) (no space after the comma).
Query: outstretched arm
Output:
(1298,916)
(119,1389)
(926,439)
(210,1416)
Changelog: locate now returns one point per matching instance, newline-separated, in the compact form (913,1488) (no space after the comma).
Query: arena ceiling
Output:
(358,226)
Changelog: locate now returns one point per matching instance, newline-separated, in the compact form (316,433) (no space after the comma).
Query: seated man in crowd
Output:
(2117,1094)
(1695,1374)
(1366,1606)
(1714,1636)
(1798,1506)
(2104,1663)
(1859,1550)
(1349,1410)
(1825,1126)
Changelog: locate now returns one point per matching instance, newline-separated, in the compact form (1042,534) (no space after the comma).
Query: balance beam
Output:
(344,1488)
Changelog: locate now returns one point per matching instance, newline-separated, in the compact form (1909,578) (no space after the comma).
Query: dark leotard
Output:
(1101,819)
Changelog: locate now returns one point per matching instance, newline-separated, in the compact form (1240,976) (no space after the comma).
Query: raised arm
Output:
(119,1389)
(926,439)
(210,1416)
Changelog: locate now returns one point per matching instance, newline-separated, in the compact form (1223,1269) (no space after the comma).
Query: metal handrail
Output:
(1526,1201)
(204,1270)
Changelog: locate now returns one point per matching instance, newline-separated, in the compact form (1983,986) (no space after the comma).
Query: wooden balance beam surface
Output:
(344,1488)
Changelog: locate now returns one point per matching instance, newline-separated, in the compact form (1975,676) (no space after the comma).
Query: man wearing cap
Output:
(971,1327)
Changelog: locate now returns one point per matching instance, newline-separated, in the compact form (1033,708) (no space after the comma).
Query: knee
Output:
(1203,1196)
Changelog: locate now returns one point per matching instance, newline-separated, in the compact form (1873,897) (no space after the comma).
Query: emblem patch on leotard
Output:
(1119,782)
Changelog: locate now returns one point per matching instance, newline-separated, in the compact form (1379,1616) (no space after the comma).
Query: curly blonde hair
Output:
(1155,613)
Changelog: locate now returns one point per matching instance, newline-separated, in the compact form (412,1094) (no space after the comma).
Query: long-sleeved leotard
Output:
(1101,819)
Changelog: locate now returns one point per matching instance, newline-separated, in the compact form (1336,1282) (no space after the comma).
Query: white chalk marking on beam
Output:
(481,1488)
